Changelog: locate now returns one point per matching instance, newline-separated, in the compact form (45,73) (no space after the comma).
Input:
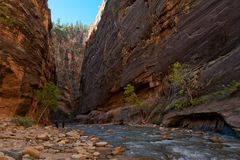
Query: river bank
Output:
(51,143)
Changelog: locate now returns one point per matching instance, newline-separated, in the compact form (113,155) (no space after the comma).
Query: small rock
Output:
(32,152)
(89,143)
(43,137)
(118,151)
(1,154)
(64,141)
(39,148)
(6,158)
(109,131)
(48,144)
(215,139)
(26,156)
(73,134)
(77,156)
(101,144)
(84,138)
(94,139)
(96,154)
(80,150)
(167,137)
(61,135)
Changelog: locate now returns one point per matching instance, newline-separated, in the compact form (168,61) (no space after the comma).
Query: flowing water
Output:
(153,143)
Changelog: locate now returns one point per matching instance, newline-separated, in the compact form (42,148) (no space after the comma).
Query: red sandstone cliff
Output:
(26,59)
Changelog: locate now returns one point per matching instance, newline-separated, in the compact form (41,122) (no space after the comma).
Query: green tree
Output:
(130,96)
(47,99)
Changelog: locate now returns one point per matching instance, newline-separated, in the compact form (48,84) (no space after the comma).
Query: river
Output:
(154,143)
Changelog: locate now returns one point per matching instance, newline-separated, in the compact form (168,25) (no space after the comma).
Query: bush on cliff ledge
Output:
(130,96)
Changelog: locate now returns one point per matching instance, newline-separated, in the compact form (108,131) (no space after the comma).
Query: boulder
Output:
(32,152)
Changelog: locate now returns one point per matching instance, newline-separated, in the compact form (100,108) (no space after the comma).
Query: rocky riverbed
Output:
(113,142)
(50,143)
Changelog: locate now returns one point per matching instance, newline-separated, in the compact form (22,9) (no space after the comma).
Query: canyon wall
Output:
(26,58)
(69,44)
(137,42)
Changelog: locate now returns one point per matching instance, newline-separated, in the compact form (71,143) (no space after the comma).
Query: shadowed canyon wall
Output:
(137,41)
(69,44)
(26,59)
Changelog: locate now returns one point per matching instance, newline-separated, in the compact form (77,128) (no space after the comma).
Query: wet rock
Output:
(109,131)
(94,139)
(215,139)
(167,137)
(101,144)
(32,152)
(118,151)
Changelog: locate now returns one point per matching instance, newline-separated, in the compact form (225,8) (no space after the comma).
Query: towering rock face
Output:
(26,60)
(137,41)
(69,44)
(93,27)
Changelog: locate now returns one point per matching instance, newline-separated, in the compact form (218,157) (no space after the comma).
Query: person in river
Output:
(58,118)
(56,124)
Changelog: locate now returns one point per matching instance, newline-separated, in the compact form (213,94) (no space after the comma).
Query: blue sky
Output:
(70,11)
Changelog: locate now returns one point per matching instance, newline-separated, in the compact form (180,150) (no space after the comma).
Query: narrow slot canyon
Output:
(119,80)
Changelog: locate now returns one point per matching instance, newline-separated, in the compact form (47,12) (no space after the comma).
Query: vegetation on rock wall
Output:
(130,96)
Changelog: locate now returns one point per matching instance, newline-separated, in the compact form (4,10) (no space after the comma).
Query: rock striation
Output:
(137,42)
(26,58)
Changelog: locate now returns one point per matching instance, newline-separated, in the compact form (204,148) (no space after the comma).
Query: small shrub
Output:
(182,104)
(176,75)
(187,84)
(23,121)
(157,122)
(130,96)
(229,90)
(238,135)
